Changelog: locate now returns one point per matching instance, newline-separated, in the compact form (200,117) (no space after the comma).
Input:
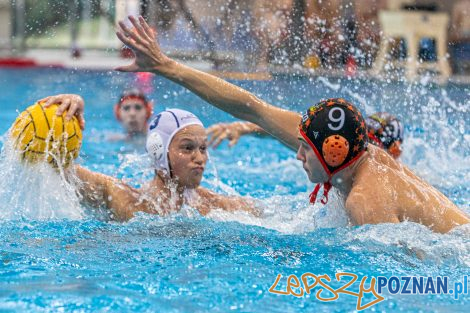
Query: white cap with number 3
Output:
(162,129)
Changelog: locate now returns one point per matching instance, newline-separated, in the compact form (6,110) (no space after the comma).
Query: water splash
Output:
(36,192)
(291,214)
(419,242)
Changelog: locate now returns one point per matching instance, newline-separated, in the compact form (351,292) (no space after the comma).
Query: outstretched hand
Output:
(142,40)
(73,104)
(231,132)
(221,131)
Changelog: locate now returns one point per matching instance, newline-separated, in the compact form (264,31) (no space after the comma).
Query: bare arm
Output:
(280,123)
(449,219)
(367,213)
(93,187)
(363,210)
(100,190)
(232,99)
(209,200)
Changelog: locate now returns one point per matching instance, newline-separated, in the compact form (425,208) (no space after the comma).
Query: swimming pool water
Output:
(68,258)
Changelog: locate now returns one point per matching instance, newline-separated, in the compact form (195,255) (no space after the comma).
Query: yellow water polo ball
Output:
(38,134)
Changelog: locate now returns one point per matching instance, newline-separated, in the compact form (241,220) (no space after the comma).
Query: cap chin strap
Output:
(326,189)
(326,185)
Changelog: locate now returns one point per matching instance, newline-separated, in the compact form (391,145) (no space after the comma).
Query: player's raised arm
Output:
(232,99)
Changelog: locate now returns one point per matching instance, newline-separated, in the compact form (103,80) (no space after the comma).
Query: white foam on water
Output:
(438,167)
(361,102)
(291,214)
(440,153)
(36,192)
(465,107)
(284,213)
(417,240)
(135,168)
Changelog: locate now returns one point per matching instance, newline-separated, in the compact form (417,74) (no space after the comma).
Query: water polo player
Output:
(176,143)
(133,110)
(383,129)
(375,187)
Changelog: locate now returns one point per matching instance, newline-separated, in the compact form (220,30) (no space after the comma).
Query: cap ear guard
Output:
(335,150)
(155,147)
(395,149)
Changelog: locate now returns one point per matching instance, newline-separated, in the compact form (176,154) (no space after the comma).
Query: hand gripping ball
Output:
(39,135)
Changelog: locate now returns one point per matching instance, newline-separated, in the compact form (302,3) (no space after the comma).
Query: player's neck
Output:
(344,180)
(169,190)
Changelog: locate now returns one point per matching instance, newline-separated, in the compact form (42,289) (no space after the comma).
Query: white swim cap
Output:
(162,129)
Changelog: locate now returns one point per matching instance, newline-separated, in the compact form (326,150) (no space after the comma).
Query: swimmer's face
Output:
(310,163)
(188,155)
(133,116)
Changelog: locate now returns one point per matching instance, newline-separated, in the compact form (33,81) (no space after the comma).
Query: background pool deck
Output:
(108,60)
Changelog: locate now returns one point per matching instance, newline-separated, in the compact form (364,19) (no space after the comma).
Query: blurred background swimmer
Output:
(133,110)
(384,130)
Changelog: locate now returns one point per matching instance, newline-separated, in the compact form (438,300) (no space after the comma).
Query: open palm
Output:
(142,40)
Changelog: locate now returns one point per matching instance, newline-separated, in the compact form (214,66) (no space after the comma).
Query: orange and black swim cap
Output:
(337,133)
(385,131)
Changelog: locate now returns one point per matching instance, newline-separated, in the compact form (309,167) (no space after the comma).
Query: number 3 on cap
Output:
(339,120)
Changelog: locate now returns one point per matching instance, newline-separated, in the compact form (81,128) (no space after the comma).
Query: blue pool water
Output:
(56,255)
